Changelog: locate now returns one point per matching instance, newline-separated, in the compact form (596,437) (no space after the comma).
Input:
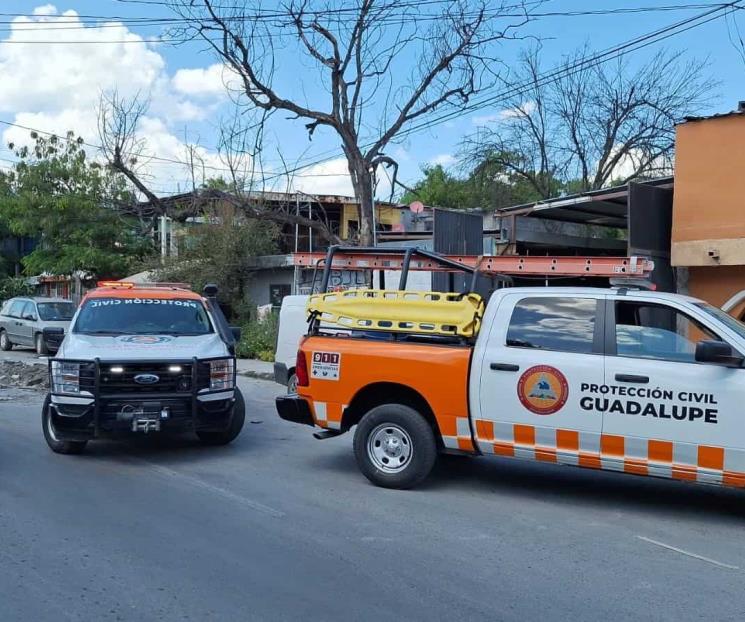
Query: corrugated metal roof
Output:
(732,113)
(607,206)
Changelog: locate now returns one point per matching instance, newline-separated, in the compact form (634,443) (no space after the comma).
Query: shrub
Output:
(259,339)
(13,286)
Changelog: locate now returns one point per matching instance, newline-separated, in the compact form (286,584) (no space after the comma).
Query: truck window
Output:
(564,324)
(651,331)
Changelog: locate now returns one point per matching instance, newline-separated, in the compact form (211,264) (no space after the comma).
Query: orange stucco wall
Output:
(710,179)
(716,284)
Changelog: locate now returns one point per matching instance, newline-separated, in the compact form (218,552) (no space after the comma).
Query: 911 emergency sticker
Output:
(325,365)
(543,390)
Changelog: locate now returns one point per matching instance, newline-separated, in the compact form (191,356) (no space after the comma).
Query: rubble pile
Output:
(20,375)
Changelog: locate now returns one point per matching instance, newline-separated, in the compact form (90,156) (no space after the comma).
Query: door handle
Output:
(504,367)
(632,378)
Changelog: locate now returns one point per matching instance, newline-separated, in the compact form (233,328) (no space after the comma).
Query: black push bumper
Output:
(294,408)
(105,408)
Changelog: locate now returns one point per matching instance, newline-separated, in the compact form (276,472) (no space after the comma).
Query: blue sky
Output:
(54,86)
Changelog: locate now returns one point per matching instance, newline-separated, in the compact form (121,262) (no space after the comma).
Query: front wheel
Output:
(394,446)
(5,343)
(41,346)
(223,437)
(50,434)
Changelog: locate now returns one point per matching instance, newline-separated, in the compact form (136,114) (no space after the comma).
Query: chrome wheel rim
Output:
(292,384)
(389,448)
(3,340)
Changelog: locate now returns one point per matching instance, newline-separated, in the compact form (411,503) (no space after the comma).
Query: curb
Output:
(257,375)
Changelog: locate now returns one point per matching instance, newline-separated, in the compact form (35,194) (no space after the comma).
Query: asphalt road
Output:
(279,526)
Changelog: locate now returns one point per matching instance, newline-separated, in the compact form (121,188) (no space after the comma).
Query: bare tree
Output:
(590,124)
(238,150)
(361,83)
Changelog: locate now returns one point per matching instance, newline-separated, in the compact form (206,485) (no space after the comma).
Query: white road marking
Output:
(227,494)
(688,553)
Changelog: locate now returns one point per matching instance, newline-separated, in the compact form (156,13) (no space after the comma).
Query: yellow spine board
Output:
(433,313)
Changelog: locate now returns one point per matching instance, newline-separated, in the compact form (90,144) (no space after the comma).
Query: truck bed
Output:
(361,370)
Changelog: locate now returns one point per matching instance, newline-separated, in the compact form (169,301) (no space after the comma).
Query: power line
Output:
(553,76)
(389,20)
(602,57)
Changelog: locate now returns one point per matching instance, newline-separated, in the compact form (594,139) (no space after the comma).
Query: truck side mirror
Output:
(210,290)
(53,337)
(718,353)
(237,332)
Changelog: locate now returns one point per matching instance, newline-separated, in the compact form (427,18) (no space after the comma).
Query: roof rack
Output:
(406,259)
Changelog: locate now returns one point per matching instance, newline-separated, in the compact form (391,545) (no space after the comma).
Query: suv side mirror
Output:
(717,352)
(236,330)
(53,337)
(29,316)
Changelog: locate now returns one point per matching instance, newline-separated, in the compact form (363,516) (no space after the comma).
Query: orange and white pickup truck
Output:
(609,378)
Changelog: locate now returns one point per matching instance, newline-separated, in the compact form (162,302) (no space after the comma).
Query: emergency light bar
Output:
(130,285)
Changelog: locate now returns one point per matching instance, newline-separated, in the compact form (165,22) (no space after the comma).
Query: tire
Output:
(224,437)
(5,344)
(41,346)
(57,446)
(292,384)
(395,446)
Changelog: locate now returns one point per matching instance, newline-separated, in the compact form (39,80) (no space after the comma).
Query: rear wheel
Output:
(5,343)
(223,437)
(292,384)
(41,346)
(50,434)
(394,446)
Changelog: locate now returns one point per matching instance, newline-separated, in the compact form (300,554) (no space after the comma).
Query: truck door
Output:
(541,350)
(664,413)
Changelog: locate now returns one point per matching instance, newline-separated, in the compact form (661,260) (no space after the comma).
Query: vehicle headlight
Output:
(222,374)
(65,377)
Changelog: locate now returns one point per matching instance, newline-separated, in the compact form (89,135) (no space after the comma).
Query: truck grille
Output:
(168,381)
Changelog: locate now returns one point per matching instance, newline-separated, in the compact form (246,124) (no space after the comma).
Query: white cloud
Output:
(46,10)
(444,159)
(55,87)
(41,76)
(523,109)
(213,81)
(71,119)
(330,177)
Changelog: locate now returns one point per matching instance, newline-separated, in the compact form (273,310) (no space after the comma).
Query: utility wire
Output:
(554,75)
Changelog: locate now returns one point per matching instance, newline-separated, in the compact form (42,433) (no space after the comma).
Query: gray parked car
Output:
(23,320)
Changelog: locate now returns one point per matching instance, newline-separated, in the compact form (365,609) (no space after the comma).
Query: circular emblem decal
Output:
(145,339)
(543,390)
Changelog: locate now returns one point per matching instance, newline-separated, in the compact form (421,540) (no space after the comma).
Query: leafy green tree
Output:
(55,194)
(438,188)
(219,250)
(487,186)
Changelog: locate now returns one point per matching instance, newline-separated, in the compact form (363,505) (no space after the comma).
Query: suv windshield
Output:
(143,316)
(56,311)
